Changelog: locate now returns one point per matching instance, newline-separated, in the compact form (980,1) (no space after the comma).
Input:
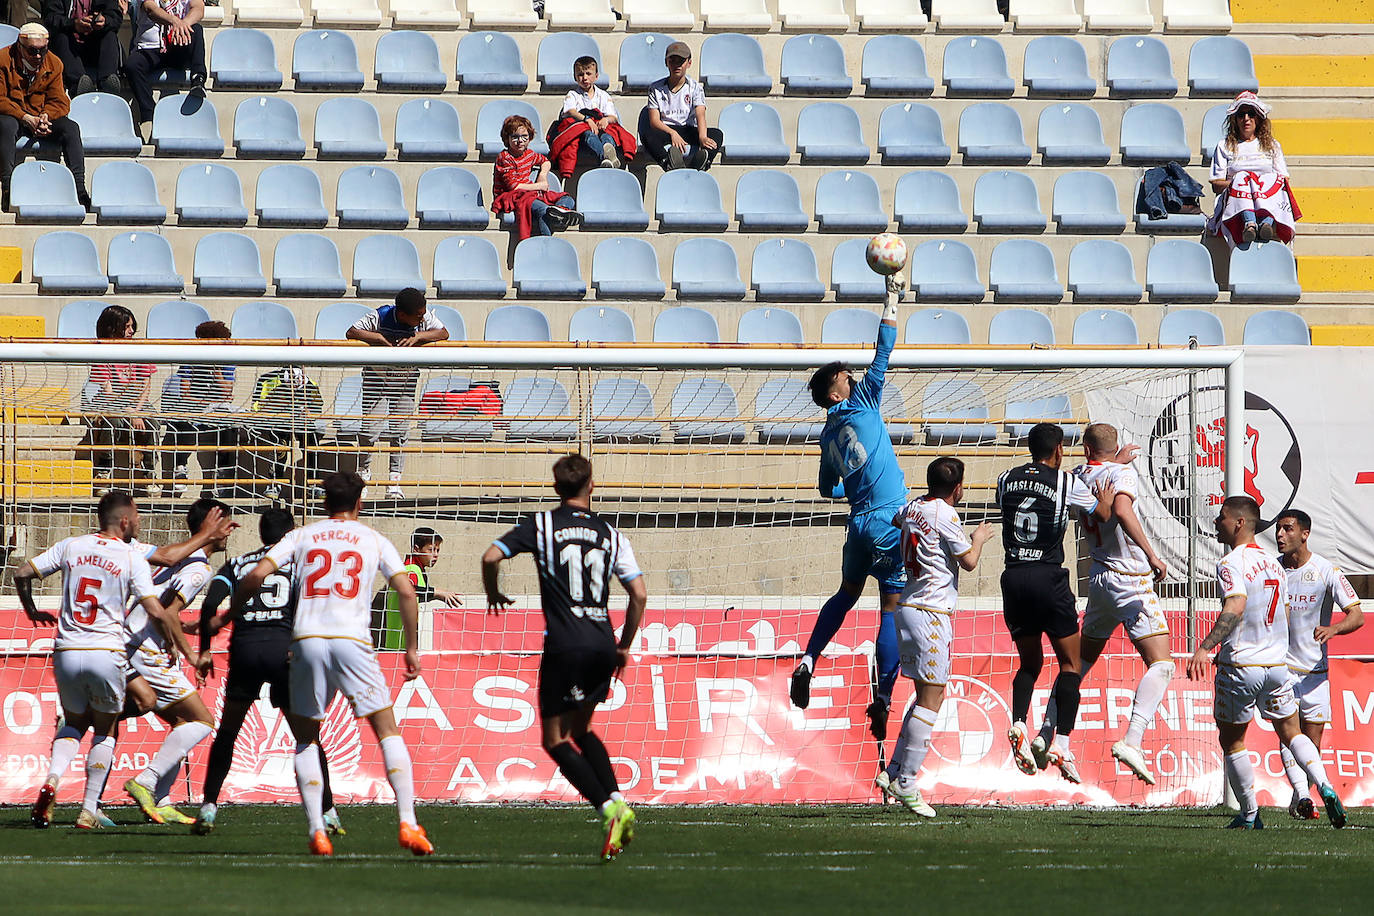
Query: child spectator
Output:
(389,391)
(119,432)
(425,544)
(85,36)
(589,115)
(673,128)
(196,390)
(520,185)
(167,36)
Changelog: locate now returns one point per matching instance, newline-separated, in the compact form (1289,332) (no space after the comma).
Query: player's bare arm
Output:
(1106,497)
(1123,505)
(634,614)
(1232,610)
(410,622)
(968,560)
(216,527)
(491,580)
(23,587)
(1352,621)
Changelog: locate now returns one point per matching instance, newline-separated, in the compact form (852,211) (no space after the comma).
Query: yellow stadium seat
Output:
(22,326)
(1302,11)
(1343,335)
(11,264)
(1335,274)
(50,478)
(1334,70)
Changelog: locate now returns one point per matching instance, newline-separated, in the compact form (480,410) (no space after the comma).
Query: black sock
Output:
(1066,699)
(579,772)
(1022,685)
(217,767)
(328,800)
(594,752)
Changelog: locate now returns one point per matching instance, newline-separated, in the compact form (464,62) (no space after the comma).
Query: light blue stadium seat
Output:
(186,125)
(66,263)
(468,267)
(1105,328)
(937,327)
(1006,201)
(895,65)
(848,201)
(408,61)
(829,133)
(943,270)
(1180,270)
(107,125)
(228,264)
(451,320)
(849,327)
(814,65)
(685,324)
(142,262)
(325,60)
(348,128)
(1069,133)
(1056,66)
(623,409)
(850,276)
(349,419)
(517,324)
(369,197)
(768,200)
(490,62)
(753,133)
(626,268)
(1139,66)
(263,321)
(538,410)
(429,129)
(175,320)
(305,264)
(1264,273)
(126,193)
(687,200)
(1220,65)
(383,265)
(1152,134)
(911,133)
(1101,270)
(1021,328)
(493,114)
(1086,202)
(990,133)
(77,320)
(8,34)
(698,398)
(732,64)
(1276,328)
(243,60)
(785,412)
(976,66)
(557,51)
(1180,325)
(547,267)
(45,192)
(1213,130)
(784,270)
(1023,270)
(1189,223)
(450,198)
(928,201)
(334,320)
(706,268)
(290,195)
(769,325)
(209,195)
(894,412)
(1039,401)
(961,404)
(641,60)
(601,323)
(440,427)
(266,127)
(610,201)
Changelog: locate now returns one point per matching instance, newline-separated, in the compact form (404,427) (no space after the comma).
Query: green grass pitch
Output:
(804,860)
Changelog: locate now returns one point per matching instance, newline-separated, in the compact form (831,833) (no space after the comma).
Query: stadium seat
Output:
(334,320)
(738,15)
(107,125)
(290,195)
(1220,66)
(1101,270)
(928,201)
(976,67)
(609,201)
(349,420)
(626,268)
(501,14)
(346,14)
(263,321)
(911,134)
(407,61)
(267,128)
(1180,270)
(517,324)
(537,410)
(601,323)
(209,195)
(851,278)
(966,15)
(890,16)
(1044,16)
(1179,326)
(369,197)
(623,409)
(451,320)
(769,325)
(815,64)
(784,270)
(785,412)
(1152,134)
(756,130)
(1071,133)
(685,324)
(186,125)
(440,426)
(990,134)
(848,201)
(305,264)
(732,64)
(687,200)
(1189,223)
(77,320)
(1213,131)
(1006,201)
(275,13)
(1086,202)
(493,114)
(1105,328)
(1139,66)
(813,16)
(937,328)
(828,133)
(1197,15)
(348,128)
(707,268)
(468,267)
(45,192)
(243,60)
(895,65)
(126,193)
(709,409)
(849,327)
(1118,15)
(506,221)
(431,15)
(450,198)
(490,62)
(579,14)
(8,34)
(66,263)
(546,267)
(175,320)
(655,14)
(894,412)
(383,265)
(1021,328)
(1038,401)
(1277,328)
(1022,270)
(429,129)
(228,264)
(768,200)
(641,56)
(142,262)
(943,270)
(1264,273)
(555,62)
(961,404)
(325,61)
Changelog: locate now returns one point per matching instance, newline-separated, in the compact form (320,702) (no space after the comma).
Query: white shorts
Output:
(1312,690)
(1239,690)
(1118,598)
(163,674)
(89,679)
(923,638)
(321,667)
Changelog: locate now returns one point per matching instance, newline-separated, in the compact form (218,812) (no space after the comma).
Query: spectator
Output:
(425,544)
(34,104)
(198,390)
(119,432)
(588,115)
(85,36)
(673,128)
(1254,197)
(286,405)
(167,36)
(520,185)
(389,391)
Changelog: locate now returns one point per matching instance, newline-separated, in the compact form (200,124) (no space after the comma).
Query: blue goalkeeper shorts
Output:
(873,548)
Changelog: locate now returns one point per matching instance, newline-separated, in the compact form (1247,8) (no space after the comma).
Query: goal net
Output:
(707,460)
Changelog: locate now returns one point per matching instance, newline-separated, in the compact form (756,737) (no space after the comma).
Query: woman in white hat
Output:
(1254,199)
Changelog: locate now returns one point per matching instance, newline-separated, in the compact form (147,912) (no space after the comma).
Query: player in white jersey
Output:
(934,548)
(1315,590)
(334,565)
(1252,668)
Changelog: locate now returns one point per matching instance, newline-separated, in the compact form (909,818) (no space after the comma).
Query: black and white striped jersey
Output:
(1035,500)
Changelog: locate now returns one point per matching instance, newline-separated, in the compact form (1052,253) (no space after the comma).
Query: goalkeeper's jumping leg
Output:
(828,623)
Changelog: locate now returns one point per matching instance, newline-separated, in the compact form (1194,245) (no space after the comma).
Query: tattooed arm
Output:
(1232,609)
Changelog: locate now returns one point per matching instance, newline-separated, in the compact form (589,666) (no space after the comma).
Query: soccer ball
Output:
(886,254)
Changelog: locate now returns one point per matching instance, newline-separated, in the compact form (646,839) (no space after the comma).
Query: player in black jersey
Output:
(1035,500)
(259,649)
(577,553)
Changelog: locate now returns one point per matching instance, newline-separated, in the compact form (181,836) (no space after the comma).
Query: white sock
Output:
(175,747)
(1309,758)
(808,663)
(166,782)
(208,809)
(917,729)
(398,773)
(99,762)
(1061,743)
(1296,777)
(64,750)
(310,781)
(606,806)
(1241,774)
(898,752)
(1149,693)
(616,796)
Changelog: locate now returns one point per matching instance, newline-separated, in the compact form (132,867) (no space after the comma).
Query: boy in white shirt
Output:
(590,103)
(673,128)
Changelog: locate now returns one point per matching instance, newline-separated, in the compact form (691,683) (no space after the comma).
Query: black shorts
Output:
(253,664)
(573,679)
(1036,599)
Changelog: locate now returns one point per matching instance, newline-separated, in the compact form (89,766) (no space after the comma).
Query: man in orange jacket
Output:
(34,103)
